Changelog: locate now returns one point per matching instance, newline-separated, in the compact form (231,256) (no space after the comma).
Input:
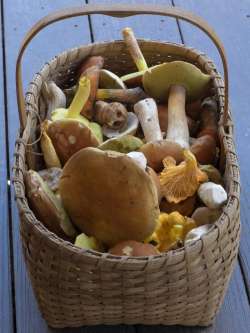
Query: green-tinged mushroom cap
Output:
(158,79)
(122,144)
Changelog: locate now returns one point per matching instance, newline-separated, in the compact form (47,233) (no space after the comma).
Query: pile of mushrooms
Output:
(130,162)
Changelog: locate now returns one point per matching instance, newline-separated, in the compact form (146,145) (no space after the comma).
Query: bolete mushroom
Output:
(109,80)
(50,156)
(177,81)
(155,149)
(204,149)
(129,96)
(209,119)
(65,122)
(205,215)
(47,207)
(112,115)
(129,128)
(69,136)
(132,248)
(122,144)
(107,195)
(134,79)
(91,70)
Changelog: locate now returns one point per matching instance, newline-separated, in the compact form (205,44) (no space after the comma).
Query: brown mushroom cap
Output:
(157,80)
(46,206)
(108,196)
(204,149)
(69,136)
(156,151)
(133,249)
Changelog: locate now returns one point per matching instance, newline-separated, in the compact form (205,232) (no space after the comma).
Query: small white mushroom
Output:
(139,158)
(212,195)
(197,233)
(130,128)
(147,113)
(55,97)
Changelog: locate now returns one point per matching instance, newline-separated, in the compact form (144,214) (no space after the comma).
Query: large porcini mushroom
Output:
(107,195)
(178,182)
(177,81)
(47,206)
(134,79)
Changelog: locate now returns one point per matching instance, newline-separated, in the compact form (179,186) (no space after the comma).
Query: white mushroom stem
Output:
(139,159)
(147,113)
(177,121)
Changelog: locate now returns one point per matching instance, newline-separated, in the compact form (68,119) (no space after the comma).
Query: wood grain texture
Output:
(6,307)
(144,26)
(230,19)
(19,17)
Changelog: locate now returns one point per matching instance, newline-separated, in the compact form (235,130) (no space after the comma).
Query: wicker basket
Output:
(77,287)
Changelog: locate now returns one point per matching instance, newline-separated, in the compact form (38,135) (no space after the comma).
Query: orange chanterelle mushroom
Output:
(179,182)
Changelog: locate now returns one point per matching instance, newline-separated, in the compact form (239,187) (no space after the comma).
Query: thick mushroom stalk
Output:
(177,121)
(147,113)
(134,79)
(177,81)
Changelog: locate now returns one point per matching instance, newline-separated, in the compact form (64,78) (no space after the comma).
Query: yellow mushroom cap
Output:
(178,182)
(158,79)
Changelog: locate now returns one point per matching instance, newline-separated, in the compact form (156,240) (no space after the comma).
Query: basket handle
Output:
(116,10)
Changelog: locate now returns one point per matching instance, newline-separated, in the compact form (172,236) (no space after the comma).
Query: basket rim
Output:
(38,225)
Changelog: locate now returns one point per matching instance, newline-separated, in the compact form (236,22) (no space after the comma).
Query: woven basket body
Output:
(76,287)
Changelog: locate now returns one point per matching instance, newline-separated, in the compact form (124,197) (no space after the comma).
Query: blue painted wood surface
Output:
(234,31)
(6,306)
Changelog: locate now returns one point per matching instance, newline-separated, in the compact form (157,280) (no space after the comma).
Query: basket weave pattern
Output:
(77,287)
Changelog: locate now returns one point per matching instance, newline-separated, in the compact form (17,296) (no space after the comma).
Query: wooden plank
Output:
(19,16)
(6,306)
(144,26)
(233,316)
(230,19)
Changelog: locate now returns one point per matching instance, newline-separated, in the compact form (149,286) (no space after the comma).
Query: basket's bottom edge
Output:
(93,324)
